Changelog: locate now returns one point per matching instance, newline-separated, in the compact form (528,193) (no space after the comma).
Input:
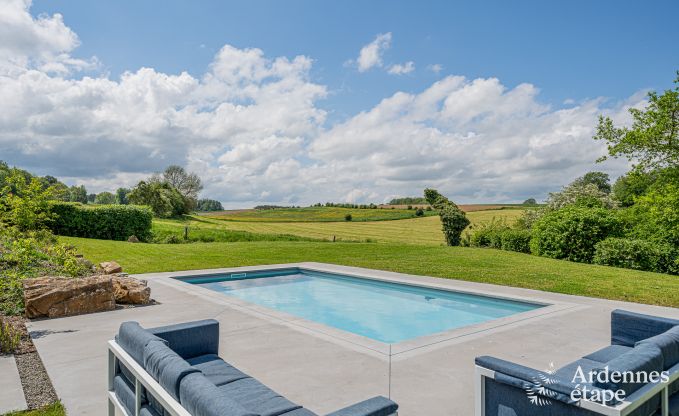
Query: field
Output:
(471,264)
(315,214)
(426,230)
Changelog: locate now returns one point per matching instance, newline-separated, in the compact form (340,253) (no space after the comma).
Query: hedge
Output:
(104,222)
(636,254)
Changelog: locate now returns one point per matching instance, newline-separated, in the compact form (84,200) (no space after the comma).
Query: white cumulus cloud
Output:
(371,54)
(401,69)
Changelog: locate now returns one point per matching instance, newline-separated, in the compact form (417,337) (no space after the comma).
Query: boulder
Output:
(133,239)
(62,296)
(110,267)
(130,290)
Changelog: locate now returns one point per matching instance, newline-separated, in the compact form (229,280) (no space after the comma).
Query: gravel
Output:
(38,388)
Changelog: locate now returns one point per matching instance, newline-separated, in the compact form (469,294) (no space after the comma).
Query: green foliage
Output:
(121,196)
(435,199)
(653,140)
(348,217)
(657,214)
(163,198)
(632,185)
(515,240)
(411,200)
(529,217)
(24,202)
(637,255)
(105,198)
(580,194)
(78,194)
(188,184)
(55,409)
(10,337)
(419,212)
(600,179)
(172,231)
(530,201)
(453,219)
(208,205)
(107,222)
(488,234)
(572,232)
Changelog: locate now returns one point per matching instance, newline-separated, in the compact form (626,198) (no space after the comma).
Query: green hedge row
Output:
(105,222)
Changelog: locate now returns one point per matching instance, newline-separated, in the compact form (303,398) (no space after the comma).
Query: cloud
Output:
(251,126)
(401,69)
(371,54)
(435,68)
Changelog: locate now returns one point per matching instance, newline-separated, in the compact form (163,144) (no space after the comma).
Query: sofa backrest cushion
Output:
(645,358)
(668,342)
(191,339)
(202,398)
(627,328)
(166,366)
(133,339)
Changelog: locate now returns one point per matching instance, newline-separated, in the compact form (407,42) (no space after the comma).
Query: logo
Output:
(538,393)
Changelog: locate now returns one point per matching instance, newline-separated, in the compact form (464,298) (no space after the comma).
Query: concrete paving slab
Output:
(11,392)
(311,366)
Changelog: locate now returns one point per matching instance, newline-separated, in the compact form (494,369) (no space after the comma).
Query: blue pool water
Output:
(386,312)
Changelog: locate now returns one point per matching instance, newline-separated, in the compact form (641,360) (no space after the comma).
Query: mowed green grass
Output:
(463,263)
(316,214)
(423,230)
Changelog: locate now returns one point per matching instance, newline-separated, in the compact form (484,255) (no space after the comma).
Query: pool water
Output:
(383,311)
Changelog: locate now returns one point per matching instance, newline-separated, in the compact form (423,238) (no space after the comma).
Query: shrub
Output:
(24,202)
(515,240)
(636,254)
(572,232)
(488,234)
(454,221)
(348,217)
(419,212)
(106,222)
(10,337)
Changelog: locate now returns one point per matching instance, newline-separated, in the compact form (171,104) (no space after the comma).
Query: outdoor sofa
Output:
(638,343)
(175,370)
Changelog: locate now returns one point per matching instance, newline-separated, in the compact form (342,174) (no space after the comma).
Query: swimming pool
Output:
(384,311)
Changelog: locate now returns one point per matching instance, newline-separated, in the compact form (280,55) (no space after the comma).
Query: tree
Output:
(209,205)
(24,202)
(600,179)
(652,140)
(453,219)
(91,198)
(105,198)
(78,194)
(163,198)
(121,196)
(188,184)
(530,201)
(580,194)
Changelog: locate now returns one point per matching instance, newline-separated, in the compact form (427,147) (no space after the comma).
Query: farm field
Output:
(315,214)
(423,230)
(463,263)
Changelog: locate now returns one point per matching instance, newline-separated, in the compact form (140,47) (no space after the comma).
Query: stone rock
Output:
(133,239)
(110,267)
(130,290)
(62,296)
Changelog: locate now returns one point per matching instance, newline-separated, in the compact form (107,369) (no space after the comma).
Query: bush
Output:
(454,221)
(572,232)
(10,337)
(106,222)
(515,240)
(636,254)
(488,234)
(419,212)
(348,217)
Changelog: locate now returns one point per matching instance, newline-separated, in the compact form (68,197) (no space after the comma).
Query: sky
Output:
(300,102)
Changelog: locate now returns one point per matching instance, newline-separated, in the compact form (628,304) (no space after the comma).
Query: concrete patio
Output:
(321,369)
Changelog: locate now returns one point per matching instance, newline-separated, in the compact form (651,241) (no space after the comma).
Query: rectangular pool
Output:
(384,311)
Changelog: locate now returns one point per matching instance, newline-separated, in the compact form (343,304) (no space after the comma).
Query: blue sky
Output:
(307,101)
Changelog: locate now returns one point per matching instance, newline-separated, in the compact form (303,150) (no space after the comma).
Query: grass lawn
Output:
(471,264)
(56,409)
(316,214)
(425,230)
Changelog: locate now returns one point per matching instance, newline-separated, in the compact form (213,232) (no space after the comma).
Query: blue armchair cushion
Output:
(257,398)
(133,339)
(166,366)
(125,393)
(377,406)
(627,328)
(202,398)
(216,370)
(606,354)
(645,357)
(668,342)
(191,339)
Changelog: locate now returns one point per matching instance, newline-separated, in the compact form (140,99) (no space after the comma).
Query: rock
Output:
(62,296)
(110,267)
(130,290)
(133,239)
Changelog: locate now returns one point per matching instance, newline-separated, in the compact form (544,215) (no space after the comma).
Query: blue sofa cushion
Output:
(668,342)
(125,393)
(606,354)
(377,406)
(166,366)
(216,370)
(202,398)
(645,357)
(148,411)
(627,328)
(191,339)
(133,339)
(257,398)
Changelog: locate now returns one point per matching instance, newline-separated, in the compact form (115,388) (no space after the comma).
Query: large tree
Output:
(652,141)
(187,183)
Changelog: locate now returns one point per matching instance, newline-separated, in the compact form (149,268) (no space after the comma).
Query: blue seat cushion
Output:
(257,398)
(166,366)
(216,370)
(191,339)
(668,342)
(606,354)
(133,339)
(300,412)
(202,398)
(125,393)
(642,358)
(148,411)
